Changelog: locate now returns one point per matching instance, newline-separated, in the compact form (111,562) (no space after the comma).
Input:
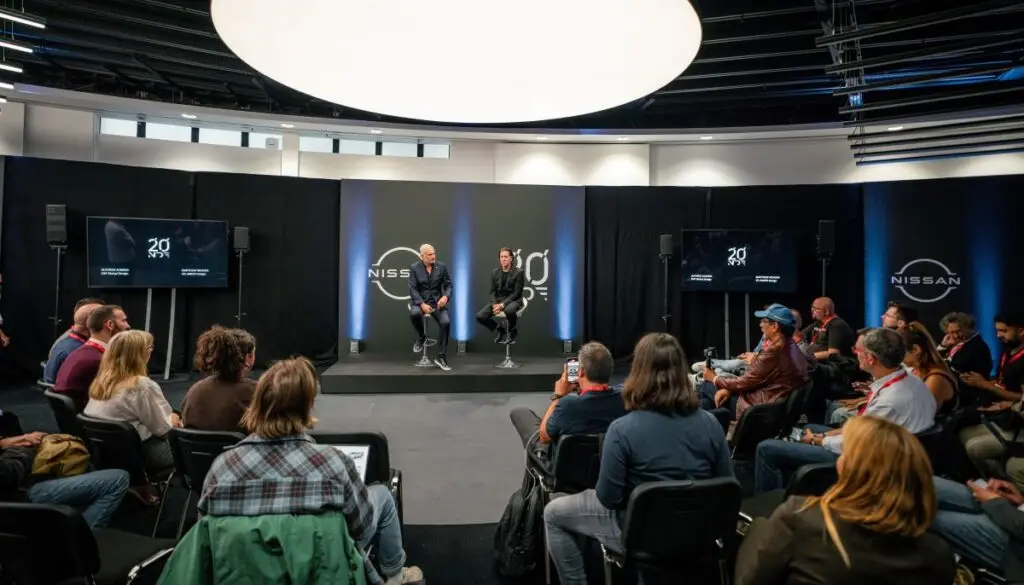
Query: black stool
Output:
(427,342)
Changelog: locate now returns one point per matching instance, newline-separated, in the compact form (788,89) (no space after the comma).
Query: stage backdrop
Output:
(384,223)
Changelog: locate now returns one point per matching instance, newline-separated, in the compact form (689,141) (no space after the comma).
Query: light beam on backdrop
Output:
(984,237)
(876,250)
(358,219)
(462,264)
(568,227)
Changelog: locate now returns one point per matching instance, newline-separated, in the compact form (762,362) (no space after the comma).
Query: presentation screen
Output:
(739,261)
(157,253)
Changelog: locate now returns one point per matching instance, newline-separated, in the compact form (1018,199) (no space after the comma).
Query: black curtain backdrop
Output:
(30,265)
(290,275)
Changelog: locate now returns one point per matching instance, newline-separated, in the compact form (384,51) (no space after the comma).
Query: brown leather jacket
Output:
(773,373)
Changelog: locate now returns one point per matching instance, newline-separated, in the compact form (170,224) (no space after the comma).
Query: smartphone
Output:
(572,370)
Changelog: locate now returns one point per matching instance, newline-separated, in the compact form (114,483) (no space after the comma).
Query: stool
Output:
(508,364)
(427,341)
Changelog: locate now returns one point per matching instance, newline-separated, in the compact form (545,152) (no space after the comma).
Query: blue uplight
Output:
(876,262)
(462,264)
(357,209)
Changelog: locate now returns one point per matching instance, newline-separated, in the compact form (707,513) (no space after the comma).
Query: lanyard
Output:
(97,345)
(1005,362)
(878,392)
(821,329)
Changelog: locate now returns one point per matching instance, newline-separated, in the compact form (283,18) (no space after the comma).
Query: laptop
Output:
(359,454)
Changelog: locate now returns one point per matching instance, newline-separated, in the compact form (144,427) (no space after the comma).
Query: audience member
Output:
(924,361)
(585,407)
(964,350)
(218,401)
(895,395)
(898,316)
(71,340)
(876,519)
(123,391)
(95,494)
(776,370)
(79,368)
(983,522)
(279,469)
(829,334)
(665,436)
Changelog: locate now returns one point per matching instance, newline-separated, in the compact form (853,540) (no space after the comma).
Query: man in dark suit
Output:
(507,283)
(430,288)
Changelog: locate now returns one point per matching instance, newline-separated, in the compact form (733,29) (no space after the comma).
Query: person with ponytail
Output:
(218,401)
(870,527)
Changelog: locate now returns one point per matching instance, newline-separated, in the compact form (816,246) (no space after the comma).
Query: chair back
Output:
(194,452)
(796,403)
(668,523)
(812,480)
(759,422)
(65,411)
(577,463)
(378,465)
(114,445)
(932,441)
(45,543)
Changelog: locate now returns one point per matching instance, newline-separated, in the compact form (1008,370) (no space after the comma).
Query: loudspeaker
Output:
(241,239)
(826,237)
(56,225)
(665,245)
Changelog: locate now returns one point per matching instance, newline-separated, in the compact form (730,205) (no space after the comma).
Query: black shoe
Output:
(418,346)
(442,363)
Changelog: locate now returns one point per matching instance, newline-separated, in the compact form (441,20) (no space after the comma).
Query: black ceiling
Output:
(762,62)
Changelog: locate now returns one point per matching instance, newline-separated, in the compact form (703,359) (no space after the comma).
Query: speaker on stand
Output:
(241,243)
(665,246)
(57,238)
(826,247)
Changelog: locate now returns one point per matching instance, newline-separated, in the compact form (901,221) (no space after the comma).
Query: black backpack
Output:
(519,540)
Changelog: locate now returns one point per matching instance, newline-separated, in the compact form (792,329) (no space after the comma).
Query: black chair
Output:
(116,445)
(677,526)
(759,422)
(378,465)
(194,452)
(809,480)
(65,412)
(43,544)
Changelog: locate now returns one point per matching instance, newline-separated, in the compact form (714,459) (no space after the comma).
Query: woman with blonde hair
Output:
(870,527)
(123,391)
(924,361)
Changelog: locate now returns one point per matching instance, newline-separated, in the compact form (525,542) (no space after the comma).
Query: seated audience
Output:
(218,401)
(965,351)
(983,448)
(79,368)
(279,469)
(870,527)
(777,369)
(829,334)
(586,407)
(895,395)
(71,340)
(95,494)
(984,523)
(665,436)
(924,361)
(898,316)
(123,391)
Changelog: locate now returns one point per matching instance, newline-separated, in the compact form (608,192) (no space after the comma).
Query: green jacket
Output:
(281,548)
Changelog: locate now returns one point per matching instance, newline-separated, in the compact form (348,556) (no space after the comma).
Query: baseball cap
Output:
(778,313)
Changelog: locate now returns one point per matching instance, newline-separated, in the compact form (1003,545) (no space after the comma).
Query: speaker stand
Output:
(665,315)
(241,262)
(60,249)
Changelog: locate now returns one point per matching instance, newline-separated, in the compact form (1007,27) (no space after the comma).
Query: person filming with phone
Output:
(583,402)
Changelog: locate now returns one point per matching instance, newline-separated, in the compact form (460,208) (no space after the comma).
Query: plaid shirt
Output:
(288,475)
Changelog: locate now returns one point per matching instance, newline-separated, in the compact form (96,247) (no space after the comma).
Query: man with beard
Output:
(507,283)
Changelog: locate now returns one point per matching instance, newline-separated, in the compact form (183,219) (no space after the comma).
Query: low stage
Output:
(368,374)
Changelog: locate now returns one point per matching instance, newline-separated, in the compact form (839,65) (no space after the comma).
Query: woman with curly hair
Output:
(218,401)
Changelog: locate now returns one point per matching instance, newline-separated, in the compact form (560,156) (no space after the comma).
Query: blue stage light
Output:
(876,244)
(566,259)
(984,237)
(462,264)
(358,209)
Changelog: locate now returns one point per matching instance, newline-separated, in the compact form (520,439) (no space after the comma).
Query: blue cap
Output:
(778,313)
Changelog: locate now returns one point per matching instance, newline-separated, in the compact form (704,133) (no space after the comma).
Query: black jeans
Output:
(485,316)
(444,322)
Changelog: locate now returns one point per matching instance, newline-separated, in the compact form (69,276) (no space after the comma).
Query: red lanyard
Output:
(878,392)
(821,329)
(1005,362)
(97,345)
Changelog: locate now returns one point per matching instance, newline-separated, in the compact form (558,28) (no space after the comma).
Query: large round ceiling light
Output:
(465,61)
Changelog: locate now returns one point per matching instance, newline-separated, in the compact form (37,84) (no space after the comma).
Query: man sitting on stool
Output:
(507,283)
(430,287)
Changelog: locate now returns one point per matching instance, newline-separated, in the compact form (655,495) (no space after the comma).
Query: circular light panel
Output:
(465,61)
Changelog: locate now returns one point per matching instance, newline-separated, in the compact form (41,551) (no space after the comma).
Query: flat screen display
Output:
(739,261)
(157,253)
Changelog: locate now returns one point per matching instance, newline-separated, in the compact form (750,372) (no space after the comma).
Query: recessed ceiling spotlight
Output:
(542,138)
(706,137)
(623,138)
(286,125)
(895,128)
(189,116)
(376,131)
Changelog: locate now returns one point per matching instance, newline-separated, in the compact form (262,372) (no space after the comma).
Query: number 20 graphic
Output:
(738,256)
(159,247)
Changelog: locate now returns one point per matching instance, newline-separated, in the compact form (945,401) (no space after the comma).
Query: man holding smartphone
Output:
(585,405)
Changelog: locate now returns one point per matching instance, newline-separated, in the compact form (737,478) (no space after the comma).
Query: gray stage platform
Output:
(367,374)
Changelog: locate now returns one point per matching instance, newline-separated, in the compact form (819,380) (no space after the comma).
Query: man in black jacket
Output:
(507,283)
(430,289)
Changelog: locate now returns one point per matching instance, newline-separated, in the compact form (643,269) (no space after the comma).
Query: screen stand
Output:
(746,320)
(149,307)
(239,314)
(727,353)
(170,335)
(60,249)
(665,315)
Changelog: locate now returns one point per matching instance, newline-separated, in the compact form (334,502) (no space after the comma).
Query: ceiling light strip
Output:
(22,18)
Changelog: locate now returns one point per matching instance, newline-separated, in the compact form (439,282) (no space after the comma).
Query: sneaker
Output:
(407,575)
(418,346)
(442,363)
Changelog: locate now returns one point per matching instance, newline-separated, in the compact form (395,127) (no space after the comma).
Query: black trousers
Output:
(485,316)
(443,321)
